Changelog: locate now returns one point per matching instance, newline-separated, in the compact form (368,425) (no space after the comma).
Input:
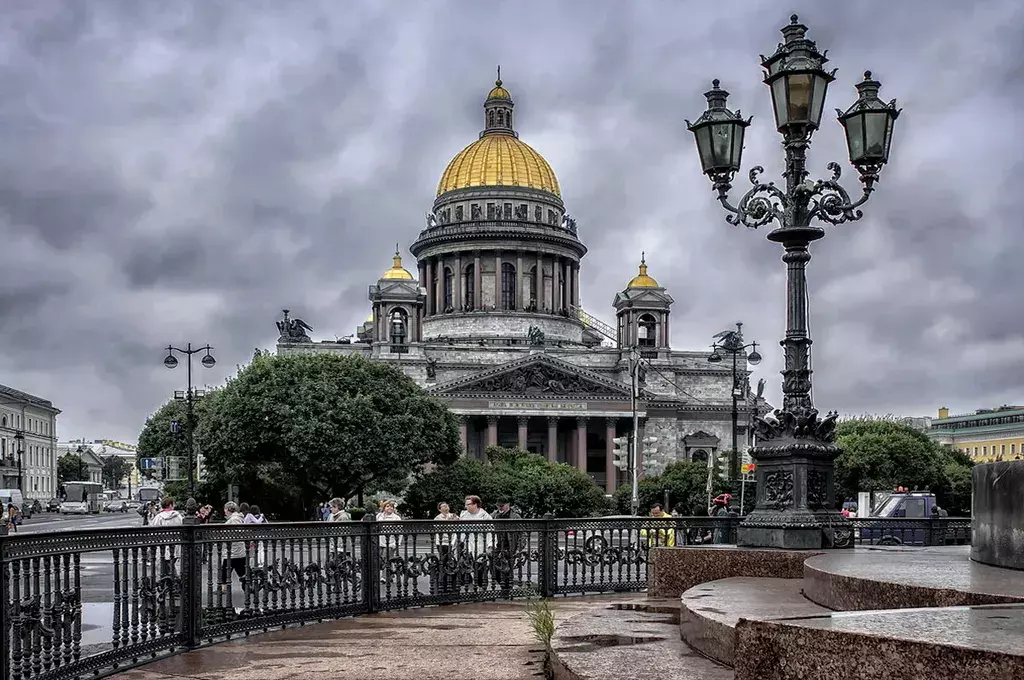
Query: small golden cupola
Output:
(397,271)
(643,279)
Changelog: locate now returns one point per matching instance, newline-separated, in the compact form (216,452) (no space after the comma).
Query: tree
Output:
(294,430)
(71,468)
(536,486)
(157,441)
(686,484)
(882,453)
(115,469)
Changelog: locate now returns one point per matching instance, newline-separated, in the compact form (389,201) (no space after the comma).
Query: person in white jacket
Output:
(477,544)
(235,560)
(390,543)
(167,516)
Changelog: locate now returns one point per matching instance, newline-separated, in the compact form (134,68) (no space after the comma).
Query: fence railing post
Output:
(370,550)
(5,596)
(191,580)
(548,552)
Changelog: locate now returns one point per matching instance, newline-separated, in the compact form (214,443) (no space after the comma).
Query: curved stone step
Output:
(899,578)
(609,643)
(710,611)
(942,643)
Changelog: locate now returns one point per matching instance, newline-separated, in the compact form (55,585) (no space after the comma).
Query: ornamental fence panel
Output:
(86,604)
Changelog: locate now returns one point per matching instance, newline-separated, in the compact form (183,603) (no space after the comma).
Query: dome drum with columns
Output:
(490,320)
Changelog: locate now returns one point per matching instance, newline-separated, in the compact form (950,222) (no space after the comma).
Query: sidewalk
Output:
(478,641)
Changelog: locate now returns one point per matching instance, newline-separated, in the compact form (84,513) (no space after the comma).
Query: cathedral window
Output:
(508,286)
(458,213)
(508,211)
(490,119)
(531,283)
(449,290)
(398,326)
(501,117)
(538,213)
(647,331)
(469,288)
(492,210)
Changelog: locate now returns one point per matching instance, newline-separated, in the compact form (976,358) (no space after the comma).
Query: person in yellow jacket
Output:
(663,537)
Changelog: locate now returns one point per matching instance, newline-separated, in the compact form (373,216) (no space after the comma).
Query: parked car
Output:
(53,505)
(116,505)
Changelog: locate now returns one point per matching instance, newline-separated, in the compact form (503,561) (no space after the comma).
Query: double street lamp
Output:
(207,361)
(795,487)
(731,342)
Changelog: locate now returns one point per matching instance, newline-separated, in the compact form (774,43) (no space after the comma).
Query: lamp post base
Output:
(796,505)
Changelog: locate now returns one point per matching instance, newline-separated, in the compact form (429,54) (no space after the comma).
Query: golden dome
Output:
(643,279)
(499,92)
(397,271)
(499,160)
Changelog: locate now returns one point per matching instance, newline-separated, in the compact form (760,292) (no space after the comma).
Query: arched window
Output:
(699,456)
(449,290)
(647,329)
(508,285)
(531,287)
(490,119)
(470,288)
(398,327)
(501,117)
(4,421)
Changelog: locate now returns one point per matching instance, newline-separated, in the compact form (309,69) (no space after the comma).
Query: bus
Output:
(148,493)
(82,498)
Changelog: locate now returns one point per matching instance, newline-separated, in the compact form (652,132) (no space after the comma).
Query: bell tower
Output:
(397,301)
(642,312)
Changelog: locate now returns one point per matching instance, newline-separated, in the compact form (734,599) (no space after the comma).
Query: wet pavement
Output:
(482,642)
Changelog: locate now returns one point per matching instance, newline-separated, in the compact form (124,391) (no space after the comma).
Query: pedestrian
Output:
(508,544)
(720,508)
(336,511)
(389,542)
(447,561)
(144,512)
(477,543)
(10,517)
(167,516)
(235,561)
(257,548)
(325,510)
(662,537)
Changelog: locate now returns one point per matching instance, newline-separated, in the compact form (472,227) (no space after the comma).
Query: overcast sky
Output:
(176,172)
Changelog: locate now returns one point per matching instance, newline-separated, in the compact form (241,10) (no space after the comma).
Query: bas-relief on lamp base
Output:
(795,487)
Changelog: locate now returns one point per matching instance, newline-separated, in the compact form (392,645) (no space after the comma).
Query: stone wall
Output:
(998,510)
(501,325)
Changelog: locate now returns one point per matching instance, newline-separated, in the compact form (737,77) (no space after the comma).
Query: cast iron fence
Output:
(87,604)
(915,532)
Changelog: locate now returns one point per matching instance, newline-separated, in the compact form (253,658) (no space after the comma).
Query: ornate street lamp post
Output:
(795,453)
(190,396)
(19,437)
(731,342)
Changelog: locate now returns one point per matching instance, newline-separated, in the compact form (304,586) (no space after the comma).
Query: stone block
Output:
(997,532)
(676,570)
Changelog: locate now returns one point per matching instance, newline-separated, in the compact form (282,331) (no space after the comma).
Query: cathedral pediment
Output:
(537,376)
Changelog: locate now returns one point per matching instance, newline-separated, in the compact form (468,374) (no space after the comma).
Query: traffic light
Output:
(621,453)
(654,463)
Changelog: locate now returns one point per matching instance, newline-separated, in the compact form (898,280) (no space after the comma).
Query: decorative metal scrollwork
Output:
(762,204)
(830,202)
(156,595)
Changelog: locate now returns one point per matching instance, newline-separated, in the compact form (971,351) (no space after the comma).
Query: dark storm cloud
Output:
(179,172)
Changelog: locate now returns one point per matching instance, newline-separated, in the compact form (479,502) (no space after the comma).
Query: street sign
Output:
(151,463)
(748,468)
(175,427)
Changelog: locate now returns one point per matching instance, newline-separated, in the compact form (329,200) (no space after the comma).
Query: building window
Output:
(508,285)
(458,213)
(532,287)
(470,288)
(1013,448)
(449,290)
(507,211)
(646,331)
(398,327)
(492,211)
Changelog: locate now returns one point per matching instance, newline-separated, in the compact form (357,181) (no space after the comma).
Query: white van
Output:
(8,496)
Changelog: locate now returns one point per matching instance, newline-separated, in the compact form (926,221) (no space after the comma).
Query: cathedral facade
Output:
(491,323)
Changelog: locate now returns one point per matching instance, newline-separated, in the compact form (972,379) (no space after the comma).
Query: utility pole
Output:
(634,373)
(190,423)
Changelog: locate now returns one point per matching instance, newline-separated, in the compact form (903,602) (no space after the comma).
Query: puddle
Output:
(667,622)
(592,643)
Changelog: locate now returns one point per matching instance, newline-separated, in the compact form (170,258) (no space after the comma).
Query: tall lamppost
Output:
(796,450)
(19,437)
(190,422)
(731,342)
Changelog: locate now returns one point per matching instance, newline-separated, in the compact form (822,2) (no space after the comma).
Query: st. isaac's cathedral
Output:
(491,323)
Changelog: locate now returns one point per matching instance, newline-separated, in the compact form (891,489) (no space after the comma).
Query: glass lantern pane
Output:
(721,149)
(799,97)
(855,137)
(818,99)
(888,136)
(737,146)
(779,101)
(703,135)
(875,124)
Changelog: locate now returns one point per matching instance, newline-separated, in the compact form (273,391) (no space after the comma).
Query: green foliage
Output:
(295,430)
(114,470)
(157,440)
(542,620)
(70,468)
(536,486)
(686,484)
(882,453)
